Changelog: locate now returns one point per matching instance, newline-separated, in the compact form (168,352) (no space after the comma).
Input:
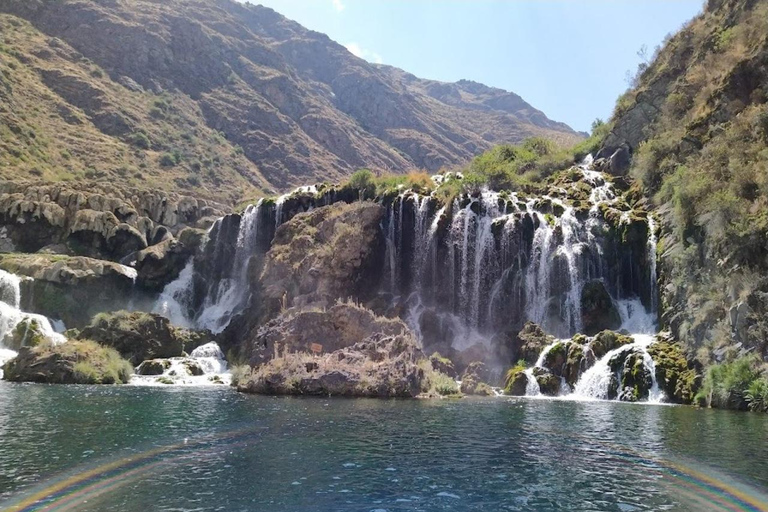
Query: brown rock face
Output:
(318,331)
(293,105)
(324,255)
(345,351)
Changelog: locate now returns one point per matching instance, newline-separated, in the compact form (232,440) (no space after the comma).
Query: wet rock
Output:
(674,373)
(517,382)
(598,312)
(153,367)
(635,379)
(27,333)
(606,341)
(548,384)
(532,340)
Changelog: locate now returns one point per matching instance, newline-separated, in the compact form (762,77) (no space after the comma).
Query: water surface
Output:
(192,449)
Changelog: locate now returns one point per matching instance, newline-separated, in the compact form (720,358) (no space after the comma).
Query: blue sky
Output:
(567,58)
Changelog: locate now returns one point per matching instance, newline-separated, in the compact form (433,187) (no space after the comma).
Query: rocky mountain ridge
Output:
(225,99)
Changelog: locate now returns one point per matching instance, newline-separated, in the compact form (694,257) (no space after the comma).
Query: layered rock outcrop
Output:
(346,350)
(94,220)
(72,288)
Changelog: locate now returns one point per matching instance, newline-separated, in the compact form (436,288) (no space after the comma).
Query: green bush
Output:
(363,182)
(170,159)
(726,385)
(139,139)
(756,395)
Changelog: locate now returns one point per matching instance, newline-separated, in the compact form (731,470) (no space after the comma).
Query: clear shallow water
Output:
(194,449)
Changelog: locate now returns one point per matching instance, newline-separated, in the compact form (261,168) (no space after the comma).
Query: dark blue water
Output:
(186,449)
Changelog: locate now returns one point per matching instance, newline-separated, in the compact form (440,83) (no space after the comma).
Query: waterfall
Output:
(652,244)
(11,315)
(208,360)
(465,274)
(596,381)
(176,298)
(226,296)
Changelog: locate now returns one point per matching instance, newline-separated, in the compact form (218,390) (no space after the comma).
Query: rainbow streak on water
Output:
(703,490)
(67,493)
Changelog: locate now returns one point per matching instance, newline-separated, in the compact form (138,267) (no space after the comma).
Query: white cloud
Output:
(356,50)
(338,5)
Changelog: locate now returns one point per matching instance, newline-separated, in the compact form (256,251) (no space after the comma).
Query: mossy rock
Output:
(73,362)
(442,364)
(573,364)
(556,357)
(674,373)
(137,336)
(548,384)
(532,339)
(484,389)
(516,381)
(27,333)
(606,341)
(153,367)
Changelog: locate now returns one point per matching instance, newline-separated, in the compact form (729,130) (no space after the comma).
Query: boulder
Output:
(516,382)
(606,341)
(379,366)
(137,336)
(317,331)
(474,380)
(548,384)
(635,379)
(532,340)
(153,367)
(598,312)
(73,362)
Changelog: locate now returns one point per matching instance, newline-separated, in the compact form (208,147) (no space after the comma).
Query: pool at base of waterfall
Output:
(132,448)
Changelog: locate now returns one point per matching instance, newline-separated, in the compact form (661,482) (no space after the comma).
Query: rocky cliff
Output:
(224,98)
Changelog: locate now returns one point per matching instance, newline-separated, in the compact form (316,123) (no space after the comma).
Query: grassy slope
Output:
(698,124)
(85,126)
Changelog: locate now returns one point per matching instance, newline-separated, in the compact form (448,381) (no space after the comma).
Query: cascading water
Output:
(497,261)
(465,274)
(226,296)
(11,316)
(207,359)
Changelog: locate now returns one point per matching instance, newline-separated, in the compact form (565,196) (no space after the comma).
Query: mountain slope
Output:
(697,124)
(225,97)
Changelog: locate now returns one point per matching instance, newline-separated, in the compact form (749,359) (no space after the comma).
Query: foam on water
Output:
(209,357)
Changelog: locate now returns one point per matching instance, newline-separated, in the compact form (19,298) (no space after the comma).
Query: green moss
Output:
(673,373)
(515,379)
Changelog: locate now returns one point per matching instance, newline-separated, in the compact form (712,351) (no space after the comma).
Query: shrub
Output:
(363,182)
(725,385)
(139,139)
(756,395)
(168,160)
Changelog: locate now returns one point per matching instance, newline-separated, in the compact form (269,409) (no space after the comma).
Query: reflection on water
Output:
(138,449)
